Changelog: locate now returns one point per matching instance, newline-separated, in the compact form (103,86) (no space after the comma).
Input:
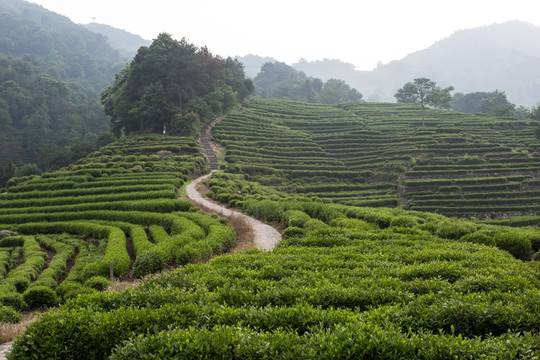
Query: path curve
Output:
(265,236)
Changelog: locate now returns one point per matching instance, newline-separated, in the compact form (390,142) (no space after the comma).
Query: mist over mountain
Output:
(504,57)
(125,42)
(253,63)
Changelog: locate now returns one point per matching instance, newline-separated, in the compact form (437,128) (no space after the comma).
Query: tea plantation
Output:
(118,207)
(357,275)
(379,155)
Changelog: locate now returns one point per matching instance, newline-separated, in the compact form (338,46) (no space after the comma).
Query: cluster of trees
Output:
(171,87)
(278,80)
(66,50)
(492,103)
(425,92)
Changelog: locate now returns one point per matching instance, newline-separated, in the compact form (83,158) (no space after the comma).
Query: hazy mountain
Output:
(504,57)
(253,63)
(326,69)
(125,42)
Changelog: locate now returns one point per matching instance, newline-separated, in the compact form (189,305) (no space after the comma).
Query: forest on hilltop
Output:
(51,74)
(172,87)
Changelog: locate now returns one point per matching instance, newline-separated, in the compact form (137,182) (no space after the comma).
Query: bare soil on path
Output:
(265,237)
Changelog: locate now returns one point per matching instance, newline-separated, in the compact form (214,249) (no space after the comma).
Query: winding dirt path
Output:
(265,237)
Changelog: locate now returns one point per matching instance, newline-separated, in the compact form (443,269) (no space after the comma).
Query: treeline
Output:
(492,103)
(172,87)
(280,81)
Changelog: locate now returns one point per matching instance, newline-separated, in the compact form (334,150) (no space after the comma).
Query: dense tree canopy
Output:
(42,111)
(492,103)
(278,80)
(171,86)
(425,92)
(52,72)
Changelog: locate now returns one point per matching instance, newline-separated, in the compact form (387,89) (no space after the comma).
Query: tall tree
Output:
(171,81)
(425,92)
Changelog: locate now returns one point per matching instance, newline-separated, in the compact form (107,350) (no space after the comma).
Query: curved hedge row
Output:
(346,282)
(99,212)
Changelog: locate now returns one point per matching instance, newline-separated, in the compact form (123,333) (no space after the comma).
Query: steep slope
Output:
(51,75)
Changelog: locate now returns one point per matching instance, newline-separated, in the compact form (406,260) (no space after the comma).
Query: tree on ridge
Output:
(425,92)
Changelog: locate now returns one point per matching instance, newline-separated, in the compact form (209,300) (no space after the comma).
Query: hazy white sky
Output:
(360,32)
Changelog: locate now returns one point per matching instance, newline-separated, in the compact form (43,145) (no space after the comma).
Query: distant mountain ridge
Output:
(123,41)
(504,57)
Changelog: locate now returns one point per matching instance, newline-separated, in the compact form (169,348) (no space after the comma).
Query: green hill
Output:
(366,154)
(52,72)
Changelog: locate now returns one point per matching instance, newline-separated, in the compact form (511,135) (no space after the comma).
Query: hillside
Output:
(497,57)
(126,43)
(345,280)
(365,154)
(51,76)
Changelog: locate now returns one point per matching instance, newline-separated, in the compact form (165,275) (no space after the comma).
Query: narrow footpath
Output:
(265,237)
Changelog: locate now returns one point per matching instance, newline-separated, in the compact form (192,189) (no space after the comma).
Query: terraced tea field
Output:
(345,282)
(379,155)
(118,207)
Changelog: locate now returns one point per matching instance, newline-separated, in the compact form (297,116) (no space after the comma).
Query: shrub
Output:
(479,238)
(9,315)
(21,283)
(313,224)
(515,243)
(295,218)
(403,221)
(37,296)
(14,300)
(292,231)
(265,210)
(71,289)
(99,283)
(149,262)
(455,229)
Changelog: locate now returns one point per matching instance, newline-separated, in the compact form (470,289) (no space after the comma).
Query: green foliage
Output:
(38,296)
(171,87)
(99,283)
(9,315)
(292,231)
(515,243)
(493,103)
(350,289)
(149,262)
(425,92)
(281,81)
(12,299)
